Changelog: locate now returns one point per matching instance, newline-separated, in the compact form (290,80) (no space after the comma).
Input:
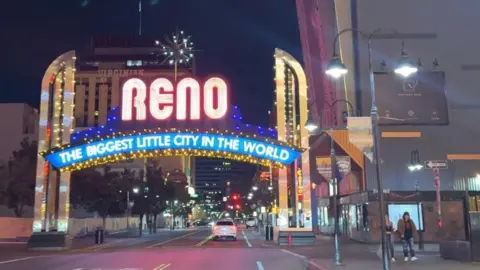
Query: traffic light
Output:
(237,206)
(234,197)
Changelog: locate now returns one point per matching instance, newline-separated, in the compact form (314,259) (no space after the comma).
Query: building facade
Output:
(19,121)
(212,175)
(429,31)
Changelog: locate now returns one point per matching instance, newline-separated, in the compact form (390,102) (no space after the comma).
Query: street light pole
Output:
(311,126)
(416,165)
(128,210)
(376,155)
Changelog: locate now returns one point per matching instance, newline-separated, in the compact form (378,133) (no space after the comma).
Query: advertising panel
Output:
(360,134)
(417,100)
(396,211)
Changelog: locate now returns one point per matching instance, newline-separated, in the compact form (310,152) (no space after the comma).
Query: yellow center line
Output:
(173,239)
(204,241)
(162,266)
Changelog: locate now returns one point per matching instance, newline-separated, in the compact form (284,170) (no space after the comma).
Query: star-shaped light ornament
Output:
(177,49)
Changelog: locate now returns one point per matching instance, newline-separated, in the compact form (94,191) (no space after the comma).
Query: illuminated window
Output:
(96,113)
(134,63)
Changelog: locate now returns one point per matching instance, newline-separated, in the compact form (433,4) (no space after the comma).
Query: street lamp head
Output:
(405,66)
(311,125)
(135,190)
(254,188)
(335,68)
(415,167)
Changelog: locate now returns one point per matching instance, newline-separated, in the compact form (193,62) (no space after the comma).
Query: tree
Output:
(98,192)
(22,169)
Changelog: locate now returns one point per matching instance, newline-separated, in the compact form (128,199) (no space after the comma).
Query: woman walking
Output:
(389,238)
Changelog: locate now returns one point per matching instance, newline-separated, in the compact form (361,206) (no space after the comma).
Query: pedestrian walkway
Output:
(427,263)
(358,256)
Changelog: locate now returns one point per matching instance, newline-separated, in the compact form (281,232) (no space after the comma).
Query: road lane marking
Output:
(305,260)
(294,254)
(173,239)
(162,266)
(93,248)
(17,260)
(260,266)
(246,239)
(204,241)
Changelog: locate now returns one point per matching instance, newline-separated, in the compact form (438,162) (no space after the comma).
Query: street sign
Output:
(441,164)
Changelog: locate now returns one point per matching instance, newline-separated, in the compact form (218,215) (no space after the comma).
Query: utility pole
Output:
(139,17)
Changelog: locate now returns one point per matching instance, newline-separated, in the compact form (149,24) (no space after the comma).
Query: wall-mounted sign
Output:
(417,100)
(171,141)
(120,72)
(299,182)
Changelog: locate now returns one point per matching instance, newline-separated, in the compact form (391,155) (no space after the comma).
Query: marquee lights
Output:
(187,100)
(209,95)
(136,145)
(139,101)
(165,99)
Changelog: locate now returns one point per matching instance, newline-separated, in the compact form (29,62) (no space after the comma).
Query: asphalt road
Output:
(177,250)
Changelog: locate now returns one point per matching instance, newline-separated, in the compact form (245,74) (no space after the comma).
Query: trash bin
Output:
(99,236)
(269,232)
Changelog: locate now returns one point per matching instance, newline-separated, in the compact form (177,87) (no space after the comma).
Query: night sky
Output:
(236,38)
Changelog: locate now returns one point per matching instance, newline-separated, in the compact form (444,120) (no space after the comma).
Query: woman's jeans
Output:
(408,246)
(390,247)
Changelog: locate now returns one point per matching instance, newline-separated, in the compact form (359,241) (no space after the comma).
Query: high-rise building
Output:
(212,175)
(101,68)
(100,71)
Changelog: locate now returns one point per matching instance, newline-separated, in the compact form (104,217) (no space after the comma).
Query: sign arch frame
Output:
(248,154)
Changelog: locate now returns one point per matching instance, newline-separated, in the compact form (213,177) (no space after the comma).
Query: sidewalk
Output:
(428,263)
(358,256)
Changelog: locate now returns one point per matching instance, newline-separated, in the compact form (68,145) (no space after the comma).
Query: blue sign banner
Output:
(173,141)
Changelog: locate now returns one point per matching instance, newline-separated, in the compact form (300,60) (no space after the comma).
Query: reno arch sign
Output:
(161,99)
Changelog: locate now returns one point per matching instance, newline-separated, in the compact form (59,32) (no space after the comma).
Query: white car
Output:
(224,229)
(251,222)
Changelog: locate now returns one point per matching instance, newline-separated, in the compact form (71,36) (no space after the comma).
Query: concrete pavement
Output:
(424,263)
(357,256)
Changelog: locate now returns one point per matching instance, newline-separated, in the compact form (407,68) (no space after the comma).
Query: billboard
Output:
(417,100)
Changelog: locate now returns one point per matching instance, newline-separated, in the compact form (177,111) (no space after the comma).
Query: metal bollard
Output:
(99,234)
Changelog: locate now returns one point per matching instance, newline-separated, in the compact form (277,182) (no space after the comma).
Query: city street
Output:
(186,249)
(181,250)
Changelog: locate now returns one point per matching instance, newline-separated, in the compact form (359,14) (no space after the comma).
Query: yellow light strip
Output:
(463,156)
(174,130)
(167,153)
(398,134)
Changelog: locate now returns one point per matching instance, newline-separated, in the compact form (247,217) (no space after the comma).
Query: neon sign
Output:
(187,101)
(172,141)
